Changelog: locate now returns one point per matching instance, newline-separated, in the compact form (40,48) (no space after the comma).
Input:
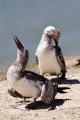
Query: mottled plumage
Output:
(50,58)
(26,83)
(60,60)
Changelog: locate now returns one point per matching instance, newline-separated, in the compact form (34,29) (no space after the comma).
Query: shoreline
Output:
(69,60)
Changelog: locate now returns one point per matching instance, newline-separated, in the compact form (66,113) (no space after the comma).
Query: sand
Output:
(64,107)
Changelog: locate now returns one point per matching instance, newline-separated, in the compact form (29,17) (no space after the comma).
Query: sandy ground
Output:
(64,107)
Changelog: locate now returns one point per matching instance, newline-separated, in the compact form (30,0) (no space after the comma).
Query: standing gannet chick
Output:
(28,84)
(49,57)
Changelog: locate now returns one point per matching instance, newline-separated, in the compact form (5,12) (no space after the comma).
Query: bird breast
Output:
(12,74)
(48,62)
(27,88)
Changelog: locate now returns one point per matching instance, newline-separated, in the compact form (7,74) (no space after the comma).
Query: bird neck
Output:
(15,71)
(19,65)
(21,61)
(46,40)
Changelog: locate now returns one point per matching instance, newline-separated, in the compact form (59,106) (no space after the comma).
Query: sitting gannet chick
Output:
(27,84)
(49,57)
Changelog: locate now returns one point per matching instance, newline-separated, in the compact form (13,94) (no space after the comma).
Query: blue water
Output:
(28,18)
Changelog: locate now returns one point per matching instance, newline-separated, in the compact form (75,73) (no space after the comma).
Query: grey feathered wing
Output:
(48,88)
(60,59)
(47,95)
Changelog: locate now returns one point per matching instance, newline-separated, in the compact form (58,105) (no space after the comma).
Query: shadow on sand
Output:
(66,81)
(56,102)
(41,105)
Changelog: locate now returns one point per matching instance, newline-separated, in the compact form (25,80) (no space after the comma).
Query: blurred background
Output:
(28,18)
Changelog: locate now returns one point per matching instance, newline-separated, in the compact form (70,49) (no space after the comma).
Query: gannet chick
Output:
(28,84)
(49,57)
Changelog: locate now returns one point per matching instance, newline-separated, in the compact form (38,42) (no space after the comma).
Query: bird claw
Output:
(22,107)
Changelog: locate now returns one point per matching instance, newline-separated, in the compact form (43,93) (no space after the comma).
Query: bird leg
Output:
(63,74)
(57,79)
(24,100)
(56,43)
(23,105)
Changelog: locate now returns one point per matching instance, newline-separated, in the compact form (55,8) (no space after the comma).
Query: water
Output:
(27,19)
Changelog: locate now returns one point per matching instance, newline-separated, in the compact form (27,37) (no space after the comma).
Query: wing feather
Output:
(60,58)
(34,76)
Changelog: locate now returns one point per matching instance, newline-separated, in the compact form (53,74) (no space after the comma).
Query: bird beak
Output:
(18,43)
(56,36)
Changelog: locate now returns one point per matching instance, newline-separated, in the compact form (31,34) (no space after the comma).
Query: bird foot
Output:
(22,107)
(30,106)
